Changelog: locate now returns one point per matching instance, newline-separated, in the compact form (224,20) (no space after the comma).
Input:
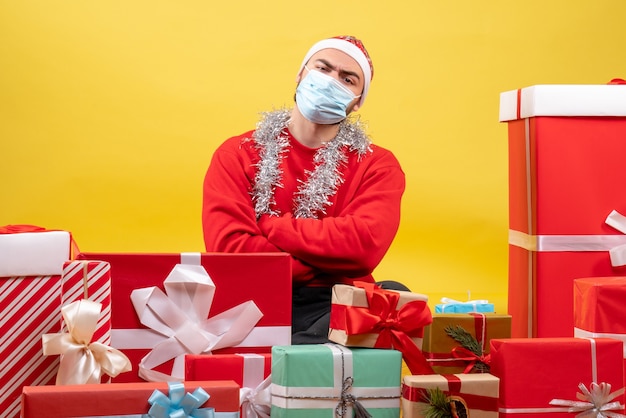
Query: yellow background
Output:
(110,111)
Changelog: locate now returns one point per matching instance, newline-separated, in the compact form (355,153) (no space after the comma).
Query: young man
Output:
(309,182)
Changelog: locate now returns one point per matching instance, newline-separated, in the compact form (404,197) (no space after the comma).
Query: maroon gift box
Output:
(264,278)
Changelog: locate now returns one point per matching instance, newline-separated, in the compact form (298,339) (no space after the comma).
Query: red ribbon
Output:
(394,327)
(617,81)
(462,353)
(16,229)
(479,402)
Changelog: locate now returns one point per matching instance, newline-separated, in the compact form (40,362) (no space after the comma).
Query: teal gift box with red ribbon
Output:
(365,315)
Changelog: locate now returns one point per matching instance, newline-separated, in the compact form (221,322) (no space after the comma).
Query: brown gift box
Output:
(443,352)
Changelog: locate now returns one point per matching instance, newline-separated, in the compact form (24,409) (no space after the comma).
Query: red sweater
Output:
(344,245)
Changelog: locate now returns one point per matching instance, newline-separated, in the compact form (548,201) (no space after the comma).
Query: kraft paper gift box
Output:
(262,280)
(365,315)
(477,393)
(566,144)
(447,356)
(534,372)
(31,264)
(123,399)
(599,309)
(248,370)
(319,379)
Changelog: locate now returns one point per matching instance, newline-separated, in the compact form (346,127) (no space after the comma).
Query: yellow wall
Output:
(110,111)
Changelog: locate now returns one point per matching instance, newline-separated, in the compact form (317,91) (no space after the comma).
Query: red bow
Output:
(464,354)
(392,326)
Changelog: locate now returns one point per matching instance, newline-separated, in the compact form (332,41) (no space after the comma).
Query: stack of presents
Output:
(209,335)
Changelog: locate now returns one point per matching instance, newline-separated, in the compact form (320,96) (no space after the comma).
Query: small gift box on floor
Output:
(250,371)
(548,376)
(318,380)
(365,315)
(31,264)
(459,343)
(435,395)
(223,298)
(219,399)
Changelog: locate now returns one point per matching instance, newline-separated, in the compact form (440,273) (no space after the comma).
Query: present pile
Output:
(203,335)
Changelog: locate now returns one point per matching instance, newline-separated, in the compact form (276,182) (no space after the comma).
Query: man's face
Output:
(340,66)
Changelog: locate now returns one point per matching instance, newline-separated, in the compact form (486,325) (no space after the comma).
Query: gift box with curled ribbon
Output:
(553,376)
(165,306)
(31,264)
(330,380)
(249,370)
(365,315)
(459,343)
(566,144)
(473,395)
(197,399)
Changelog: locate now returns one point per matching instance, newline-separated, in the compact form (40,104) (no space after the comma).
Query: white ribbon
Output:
(83,361)
(256,402)
(594,403)
(181,317)
(614,244)
(255,398)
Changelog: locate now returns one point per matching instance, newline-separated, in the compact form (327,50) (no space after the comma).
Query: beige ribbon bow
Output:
(595,403)
(83,361)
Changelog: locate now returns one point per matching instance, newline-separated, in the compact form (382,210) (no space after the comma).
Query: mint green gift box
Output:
(308,381)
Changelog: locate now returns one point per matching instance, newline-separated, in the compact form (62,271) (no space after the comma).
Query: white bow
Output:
(181,317)
(594,403)
(256,402)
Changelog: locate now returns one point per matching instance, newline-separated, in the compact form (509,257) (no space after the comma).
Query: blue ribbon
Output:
(179,404)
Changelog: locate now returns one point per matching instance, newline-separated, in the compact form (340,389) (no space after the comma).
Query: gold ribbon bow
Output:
(83,361)
(594,403)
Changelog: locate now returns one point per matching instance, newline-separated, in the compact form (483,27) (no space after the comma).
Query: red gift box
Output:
(29,307)
(116,398)
(89,279)
(248,370)
(264,278)
(565,157)
(535,371)
(31,263)
(599,308)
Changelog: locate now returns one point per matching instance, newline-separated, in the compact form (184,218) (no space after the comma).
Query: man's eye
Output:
(348,80)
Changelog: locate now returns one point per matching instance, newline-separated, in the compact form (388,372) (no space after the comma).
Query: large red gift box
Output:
(31,265)
(118,399)
(566,148)
(264,278)
(535,371)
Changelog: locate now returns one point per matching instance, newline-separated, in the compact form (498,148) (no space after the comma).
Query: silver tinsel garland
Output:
(314,193)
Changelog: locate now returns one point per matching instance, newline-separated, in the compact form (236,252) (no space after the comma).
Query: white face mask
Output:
(322,99)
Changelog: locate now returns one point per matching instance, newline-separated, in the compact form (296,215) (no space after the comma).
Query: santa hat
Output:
(354,48)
